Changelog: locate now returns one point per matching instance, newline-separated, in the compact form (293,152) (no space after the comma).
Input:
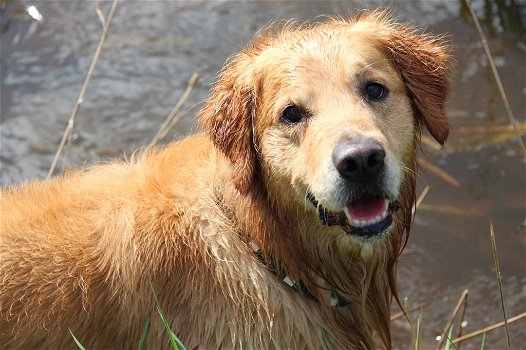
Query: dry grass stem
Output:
(174,115)
(458,211)
(422,196)
(461,300)
(438,172)
(496,258)
(497,78)
(491,129)
(462,316)
(431,143)
(80,99)
(488,328)
(100,14)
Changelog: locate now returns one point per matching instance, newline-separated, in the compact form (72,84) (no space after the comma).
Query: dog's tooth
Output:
(347,214)
(357,223)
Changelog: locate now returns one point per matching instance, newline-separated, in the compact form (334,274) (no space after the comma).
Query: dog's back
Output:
(80,248)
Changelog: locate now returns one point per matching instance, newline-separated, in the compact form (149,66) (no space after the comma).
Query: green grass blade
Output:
(76,341)
(173,339)
(409,318)
(177,344)
(144,332)
(483,340)
(448,340)
(418,344)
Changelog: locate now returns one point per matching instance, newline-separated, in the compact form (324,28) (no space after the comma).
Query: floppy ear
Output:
(228,116)
(425,66)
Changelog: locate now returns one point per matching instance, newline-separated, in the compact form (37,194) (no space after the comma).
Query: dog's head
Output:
(330,114)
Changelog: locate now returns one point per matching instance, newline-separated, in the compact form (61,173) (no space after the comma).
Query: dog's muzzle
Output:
(369,212)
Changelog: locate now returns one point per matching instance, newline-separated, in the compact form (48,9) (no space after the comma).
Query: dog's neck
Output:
(251,230)
(336,299)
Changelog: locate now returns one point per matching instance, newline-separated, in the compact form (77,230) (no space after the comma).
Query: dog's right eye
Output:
(292,115)
(375,92)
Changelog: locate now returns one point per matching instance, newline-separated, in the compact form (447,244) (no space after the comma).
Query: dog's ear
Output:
(425,64)
(228,118)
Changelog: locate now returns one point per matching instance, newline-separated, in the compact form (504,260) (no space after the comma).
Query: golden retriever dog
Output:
(279,226)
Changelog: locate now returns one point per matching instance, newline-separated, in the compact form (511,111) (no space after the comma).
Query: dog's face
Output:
(336,127)
(331,115)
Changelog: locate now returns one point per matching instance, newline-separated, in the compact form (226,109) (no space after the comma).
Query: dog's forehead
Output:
(326,51)
(299,63)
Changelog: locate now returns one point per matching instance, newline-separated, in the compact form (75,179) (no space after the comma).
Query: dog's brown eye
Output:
(375,91)
(292,115)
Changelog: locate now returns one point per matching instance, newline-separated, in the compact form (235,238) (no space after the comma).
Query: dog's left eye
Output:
(375,91)
(292,115)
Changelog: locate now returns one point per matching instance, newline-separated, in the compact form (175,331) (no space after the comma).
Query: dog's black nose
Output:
(359,161)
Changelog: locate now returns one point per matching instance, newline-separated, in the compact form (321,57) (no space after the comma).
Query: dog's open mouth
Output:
(367,216)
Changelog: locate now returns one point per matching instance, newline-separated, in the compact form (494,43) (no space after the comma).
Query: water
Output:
(152,51)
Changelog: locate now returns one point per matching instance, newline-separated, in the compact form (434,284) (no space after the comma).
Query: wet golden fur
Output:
(77,252)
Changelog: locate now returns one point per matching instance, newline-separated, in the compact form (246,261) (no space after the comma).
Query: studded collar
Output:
(336,301)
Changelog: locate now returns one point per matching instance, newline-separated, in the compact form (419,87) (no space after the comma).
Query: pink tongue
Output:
(366,208)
